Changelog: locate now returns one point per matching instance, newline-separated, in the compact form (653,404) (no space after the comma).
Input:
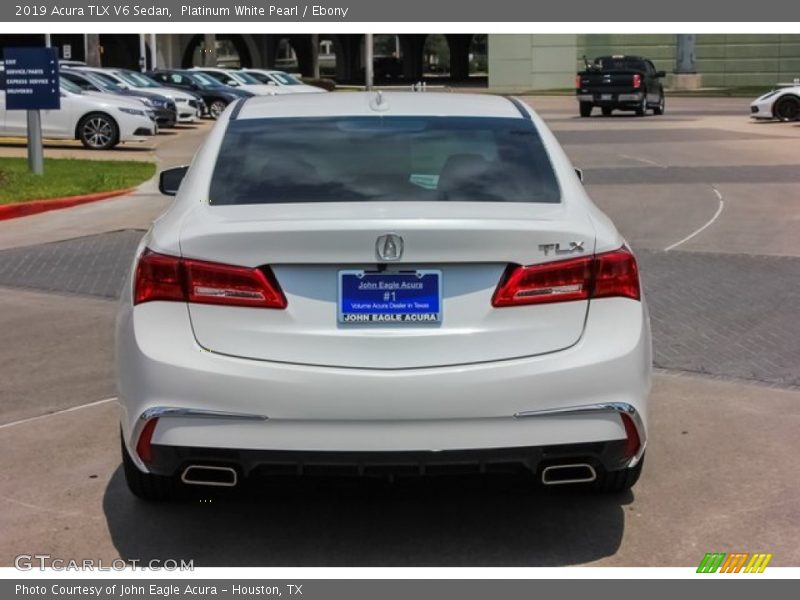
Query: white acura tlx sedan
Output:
(377,283)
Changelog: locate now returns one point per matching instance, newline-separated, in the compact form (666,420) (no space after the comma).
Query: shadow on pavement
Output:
(457,521)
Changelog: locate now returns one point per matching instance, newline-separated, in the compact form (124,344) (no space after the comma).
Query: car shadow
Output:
(444,521)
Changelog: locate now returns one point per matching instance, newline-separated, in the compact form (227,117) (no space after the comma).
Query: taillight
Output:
(637,81)
(162,277)
(600,276)
(578,82)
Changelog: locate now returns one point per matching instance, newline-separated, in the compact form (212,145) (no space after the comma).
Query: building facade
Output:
(544,61)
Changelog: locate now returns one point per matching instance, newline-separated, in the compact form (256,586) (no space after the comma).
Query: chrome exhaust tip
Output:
(210,475)
(568,473)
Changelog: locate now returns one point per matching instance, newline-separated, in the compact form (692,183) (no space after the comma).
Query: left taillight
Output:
(601,276)
(170,278)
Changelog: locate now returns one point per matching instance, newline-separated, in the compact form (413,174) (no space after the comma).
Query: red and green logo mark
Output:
(736,562)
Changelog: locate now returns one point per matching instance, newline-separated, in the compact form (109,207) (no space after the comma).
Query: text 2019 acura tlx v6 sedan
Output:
(400,282)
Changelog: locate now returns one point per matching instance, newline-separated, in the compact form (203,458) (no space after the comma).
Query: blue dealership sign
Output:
(31,76)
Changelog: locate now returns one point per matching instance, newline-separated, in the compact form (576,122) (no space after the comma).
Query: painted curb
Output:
(33,207)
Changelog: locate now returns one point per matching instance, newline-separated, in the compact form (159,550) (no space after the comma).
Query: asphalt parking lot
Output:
(711,204)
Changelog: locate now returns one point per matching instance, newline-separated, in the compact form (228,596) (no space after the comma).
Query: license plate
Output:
(606,96)
(389,298)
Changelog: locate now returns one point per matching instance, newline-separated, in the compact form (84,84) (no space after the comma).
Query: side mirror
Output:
(661,73)
(233,83)
(579,173)
(170,180)
(271,83)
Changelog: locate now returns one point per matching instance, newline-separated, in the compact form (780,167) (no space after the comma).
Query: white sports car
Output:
(782,104)
(376,283)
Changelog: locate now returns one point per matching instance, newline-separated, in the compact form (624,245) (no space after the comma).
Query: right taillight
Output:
(600,276)
(637,81)
(164,277)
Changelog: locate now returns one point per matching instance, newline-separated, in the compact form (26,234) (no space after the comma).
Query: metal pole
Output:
(142,54)
(86,48)
(35,151)
(685,58)
(315,55)
(369,67)
(153,52)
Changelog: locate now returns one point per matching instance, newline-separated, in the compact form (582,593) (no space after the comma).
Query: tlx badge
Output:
(557,249)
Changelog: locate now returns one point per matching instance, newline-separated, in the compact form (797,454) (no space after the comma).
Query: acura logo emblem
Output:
(389,247)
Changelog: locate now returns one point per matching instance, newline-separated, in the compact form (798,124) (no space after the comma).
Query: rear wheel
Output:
(147,486)
(787,108)
(662,105)
(614,482)
(216,108)
(98,131)
(586,109)
(607,111)
(642,108)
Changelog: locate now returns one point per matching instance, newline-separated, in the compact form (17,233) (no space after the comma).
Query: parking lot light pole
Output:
(142,54)
(369,67)
(153,52)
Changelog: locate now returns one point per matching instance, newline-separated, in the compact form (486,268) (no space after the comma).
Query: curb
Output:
(33,207)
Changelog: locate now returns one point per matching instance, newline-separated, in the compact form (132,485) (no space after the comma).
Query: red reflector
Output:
(637,81)
(632,441)
(144,448)
(601,276)
(162,277)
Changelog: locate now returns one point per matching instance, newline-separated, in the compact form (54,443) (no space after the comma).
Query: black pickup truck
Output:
(622,83)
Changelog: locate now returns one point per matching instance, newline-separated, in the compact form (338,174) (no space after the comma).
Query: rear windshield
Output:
(352,159)
(611,63)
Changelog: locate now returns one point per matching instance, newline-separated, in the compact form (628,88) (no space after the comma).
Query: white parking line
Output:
(704,227)
(58,412)
(643,160)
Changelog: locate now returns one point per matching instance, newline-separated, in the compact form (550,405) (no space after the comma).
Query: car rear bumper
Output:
(631,100)
(206,400)
(602,456)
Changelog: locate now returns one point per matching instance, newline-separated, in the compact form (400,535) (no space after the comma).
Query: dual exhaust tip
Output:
(568,473)
(228,477)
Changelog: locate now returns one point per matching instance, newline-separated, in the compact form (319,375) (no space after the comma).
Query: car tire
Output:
(642,108)
(147,486)
(98,131)
(586,109)
(607,111)
(787,109)
(614,482)
(216,108)
(662,106)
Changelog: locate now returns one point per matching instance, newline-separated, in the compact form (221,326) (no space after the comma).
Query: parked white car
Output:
(188,106)
(241,80)
(283,80)
(399,282)
(782,104)
(99,121)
